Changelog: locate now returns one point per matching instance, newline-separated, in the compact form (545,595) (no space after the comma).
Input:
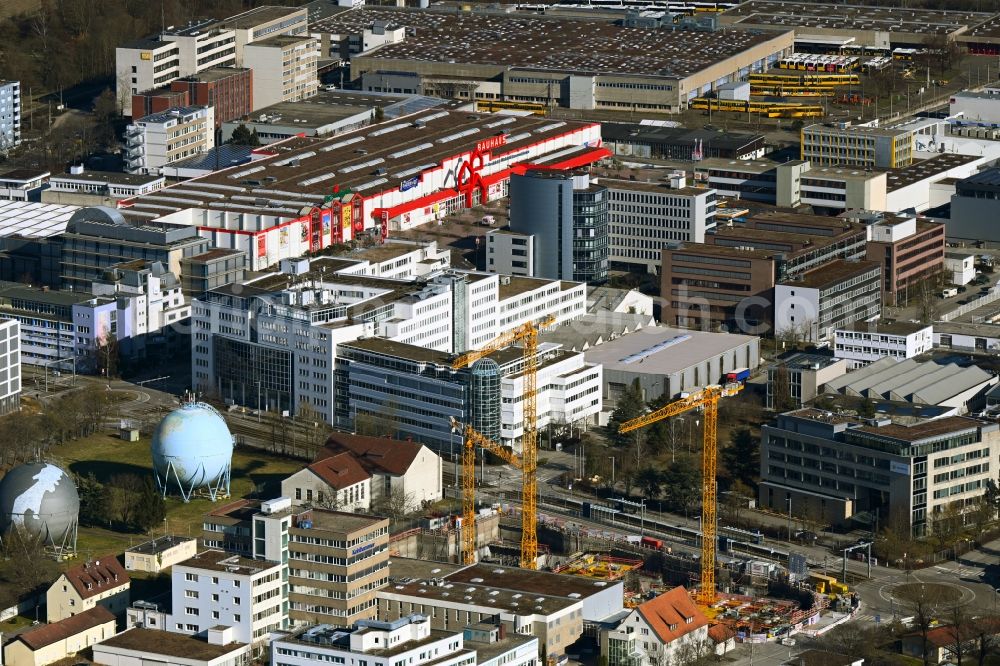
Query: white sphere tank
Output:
(193,449)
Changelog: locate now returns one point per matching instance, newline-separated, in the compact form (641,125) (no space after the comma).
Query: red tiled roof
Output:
(97,576)
(376,454)
(46,635)
(720,633)
(668,615)
(339,471)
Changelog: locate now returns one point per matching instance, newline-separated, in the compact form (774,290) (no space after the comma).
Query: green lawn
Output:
(105,456)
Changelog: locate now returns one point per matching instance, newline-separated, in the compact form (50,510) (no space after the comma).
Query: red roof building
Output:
(101,582)
(654,631)
(49,643)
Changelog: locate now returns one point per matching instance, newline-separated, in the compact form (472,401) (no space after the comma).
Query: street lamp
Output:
(789,500)
(612,459)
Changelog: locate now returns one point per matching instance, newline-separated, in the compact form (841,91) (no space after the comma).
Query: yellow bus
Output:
(791,91)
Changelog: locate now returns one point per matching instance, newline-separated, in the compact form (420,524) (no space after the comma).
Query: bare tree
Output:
(395,504)
(959,633)
(922,601)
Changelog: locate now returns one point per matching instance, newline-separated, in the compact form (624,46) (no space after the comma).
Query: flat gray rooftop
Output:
(648,351)
(562,45)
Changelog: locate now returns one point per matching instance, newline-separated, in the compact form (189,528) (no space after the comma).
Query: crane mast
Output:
(708,400)
(527,335)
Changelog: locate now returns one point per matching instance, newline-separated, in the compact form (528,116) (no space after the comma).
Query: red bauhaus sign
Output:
(491,143)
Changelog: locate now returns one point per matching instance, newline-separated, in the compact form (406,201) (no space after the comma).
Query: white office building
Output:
(153,62)
(646,217)
(215,589)
(10,115)
(156,140)
(864,343)
(408,640)
(10,366)
(272,341)
(284,69)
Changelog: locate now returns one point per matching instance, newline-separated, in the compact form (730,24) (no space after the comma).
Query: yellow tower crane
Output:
(707,399)
(527,335)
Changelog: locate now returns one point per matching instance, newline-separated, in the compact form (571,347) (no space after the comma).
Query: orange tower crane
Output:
(707,399)
(527,335)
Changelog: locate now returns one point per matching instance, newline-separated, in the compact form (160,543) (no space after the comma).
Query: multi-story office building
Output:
(10,115)
(150,304)
(98,238)
(10,366)
(646,217)
(58,329)
(910,251)
(212,269)
(155,141)
(750,259)
(284,68)
(274,344)
(831,467)
(812,305)
(415,391)
(861,344)
(228,90)
(215,588)
(335,561)
(153,62)
(408,640)
(831,144)
(567,216)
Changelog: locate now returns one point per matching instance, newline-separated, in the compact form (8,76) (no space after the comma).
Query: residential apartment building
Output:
(335,561)
(157,140)
(910,251)
(98,238)
(646,217)
(10,115)
(567,215)
(864,343)
(101,582)
(414,391)
(268,343)
(153,62)
(768,248)
(831,467)
(284,68)
(215,588)
(843,144)
(810,306)
(10,366)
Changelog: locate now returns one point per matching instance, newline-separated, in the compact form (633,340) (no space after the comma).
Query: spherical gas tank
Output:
(192,445)
(42,499)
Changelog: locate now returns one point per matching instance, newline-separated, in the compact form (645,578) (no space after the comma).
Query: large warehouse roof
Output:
(911,381)
(26,218)
(560,45)
(663,350)
(302,171)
